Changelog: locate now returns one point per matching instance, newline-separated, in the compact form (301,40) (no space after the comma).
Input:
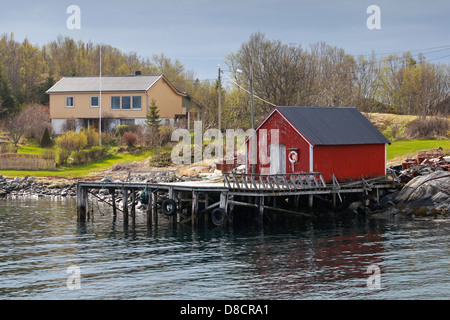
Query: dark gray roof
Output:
(333,125)
(109,84)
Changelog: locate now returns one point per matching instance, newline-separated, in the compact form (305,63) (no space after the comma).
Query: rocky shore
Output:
(427,194)
(40,187)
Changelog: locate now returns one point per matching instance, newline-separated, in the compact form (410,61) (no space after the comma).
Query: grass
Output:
(401,148)
(81,170)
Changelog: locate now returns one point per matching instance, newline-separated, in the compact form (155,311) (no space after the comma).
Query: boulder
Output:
(431,190)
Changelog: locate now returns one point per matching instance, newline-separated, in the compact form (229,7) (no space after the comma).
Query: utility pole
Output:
(254,139)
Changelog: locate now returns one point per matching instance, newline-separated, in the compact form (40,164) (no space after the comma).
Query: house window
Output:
(115,103)
(137,102)
(69,102)
(94,101)
(127,122)
(126,103)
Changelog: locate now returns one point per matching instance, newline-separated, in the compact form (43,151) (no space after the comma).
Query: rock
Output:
(107,179)
(432,190)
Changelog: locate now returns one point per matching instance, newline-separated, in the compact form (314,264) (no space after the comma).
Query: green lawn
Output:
(81,170)
(401,148)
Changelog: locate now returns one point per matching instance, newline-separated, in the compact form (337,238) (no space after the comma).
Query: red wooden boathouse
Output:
(329,140)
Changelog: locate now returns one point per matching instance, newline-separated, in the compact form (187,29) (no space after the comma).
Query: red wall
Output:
(287,136)
(350,161)
(347,162)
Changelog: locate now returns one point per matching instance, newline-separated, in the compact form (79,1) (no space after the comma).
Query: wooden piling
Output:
(149,208)
(113,199)
(133,205)
(125,205)
(194,214)
(154,194)
(261,210)
(310,201)
(81,204)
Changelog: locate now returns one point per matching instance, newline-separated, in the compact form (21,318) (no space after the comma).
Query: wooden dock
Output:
(205,201)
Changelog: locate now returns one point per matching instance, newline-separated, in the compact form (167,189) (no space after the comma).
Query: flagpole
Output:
(100,102)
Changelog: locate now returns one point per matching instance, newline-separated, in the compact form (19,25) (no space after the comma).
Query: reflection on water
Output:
(325,259)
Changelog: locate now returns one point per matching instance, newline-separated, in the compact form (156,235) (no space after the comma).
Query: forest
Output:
(283,74)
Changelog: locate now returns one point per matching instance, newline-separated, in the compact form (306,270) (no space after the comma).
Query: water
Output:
(40,241)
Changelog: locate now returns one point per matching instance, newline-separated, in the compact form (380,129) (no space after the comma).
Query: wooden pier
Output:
(208,201)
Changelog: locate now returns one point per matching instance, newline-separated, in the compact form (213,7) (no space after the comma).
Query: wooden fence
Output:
(21,163)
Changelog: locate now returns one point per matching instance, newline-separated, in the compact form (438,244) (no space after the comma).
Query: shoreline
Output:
(427,195)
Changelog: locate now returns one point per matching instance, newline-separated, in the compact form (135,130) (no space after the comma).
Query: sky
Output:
(200,33)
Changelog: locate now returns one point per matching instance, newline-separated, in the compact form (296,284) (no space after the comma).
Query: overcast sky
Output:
(202,32)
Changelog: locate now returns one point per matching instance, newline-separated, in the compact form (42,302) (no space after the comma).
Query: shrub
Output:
(72,141)
(89,155)
(129,139)
(92,137)
(46,141)
(63,156)
(109,139)
(426,128)
(164,159)
(122,129)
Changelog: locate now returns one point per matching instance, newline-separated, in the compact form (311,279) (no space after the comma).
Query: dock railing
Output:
(274,182)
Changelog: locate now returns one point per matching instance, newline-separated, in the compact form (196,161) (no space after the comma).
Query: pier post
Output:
(155,206)
(174,196)
(125,205)
(81,203)
(149,208)
(261,210)
(194,208)
(310,201)
(206,206)
(113,199)
(133,205)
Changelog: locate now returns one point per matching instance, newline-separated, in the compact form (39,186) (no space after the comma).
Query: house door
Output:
(277,159)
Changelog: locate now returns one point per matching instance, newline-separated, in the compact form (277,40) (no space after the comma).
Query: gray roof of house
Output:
(108,84)
(333,125)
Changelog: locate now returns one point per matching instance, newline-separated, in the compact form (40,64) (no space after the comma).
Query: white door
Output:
(277,159)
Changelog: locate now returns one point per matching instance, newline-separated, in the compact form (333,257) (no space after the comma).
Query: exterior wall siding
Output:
(350,161)
(289,137)
(346,162)
(169,102)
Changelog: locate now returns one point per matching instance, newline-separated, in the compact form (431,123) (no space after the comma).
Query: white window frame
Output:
(73,102)
(98,101)
(132,103)
(120,103)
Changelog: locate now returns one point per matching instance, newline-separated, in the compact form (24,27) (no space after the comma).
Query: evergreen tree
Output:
(153,116)
(7,102)
(46,141)
(152,133)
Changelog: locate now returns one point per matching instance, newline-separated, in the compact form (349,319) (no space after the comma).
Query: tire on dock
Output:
(219,216)
(169,207)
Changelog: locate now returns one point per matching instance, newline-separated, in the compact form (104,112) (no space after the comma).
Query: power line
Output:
(389,53)
(234,82)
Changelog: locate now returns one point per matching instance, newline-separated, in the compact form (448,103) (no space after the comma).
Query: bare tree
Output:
(30,118)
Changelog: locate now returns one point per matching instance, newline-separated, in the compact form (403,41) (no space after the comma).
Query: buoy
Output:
(169,207)
(219,216)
